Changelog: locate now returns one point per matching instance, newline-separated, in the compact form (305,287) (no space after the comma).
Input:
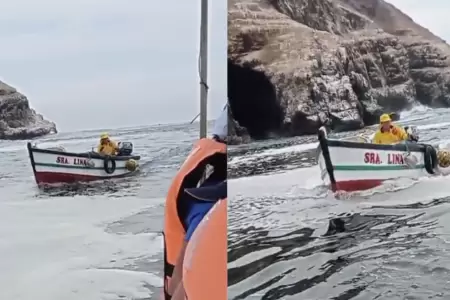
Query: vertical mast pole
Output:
(203,61)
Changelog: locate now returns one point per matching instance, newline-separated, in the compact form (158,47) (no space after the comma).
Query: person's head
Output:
(385,122)
(104,138)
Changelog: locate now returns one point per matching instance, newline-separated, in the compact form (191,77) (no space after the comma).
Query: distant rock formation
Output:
(236,133)
(17,120)
(295,65)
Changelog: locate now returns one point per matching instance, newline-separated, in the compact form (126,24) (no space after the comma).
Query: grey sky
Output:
(432,14)
(106,63)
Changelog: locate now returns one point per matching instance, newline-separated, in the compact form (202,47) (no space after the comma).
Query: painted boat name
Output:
(373,158)
(76,161)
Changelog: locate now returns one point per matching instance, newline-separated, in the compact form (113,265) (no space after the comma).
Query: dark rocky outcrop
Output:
(17,119)
(295,65)
(236,133)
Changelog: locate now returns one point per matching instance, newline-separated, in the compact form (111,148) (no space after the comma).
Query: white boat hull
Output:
(353,166)
(58,166)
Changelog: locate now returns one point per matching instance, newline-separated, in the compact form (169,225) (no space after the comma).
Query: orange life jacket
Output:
(205,260)
(188,176)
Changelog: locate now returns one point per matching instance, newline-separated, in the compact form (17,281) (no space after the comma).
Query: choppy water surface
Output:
(94,241)
(396,245)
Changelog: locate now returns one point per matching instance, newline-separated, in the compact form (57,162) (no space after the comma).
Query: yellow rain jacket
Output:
(394,135)
(109,148)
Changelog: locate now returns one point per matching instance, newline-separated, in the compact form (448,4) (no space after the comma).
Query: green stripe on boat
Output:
(73,167)
(377,168)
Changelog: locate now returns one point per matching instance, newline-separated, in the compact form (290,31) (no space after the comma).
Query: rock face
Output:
(236,133)
(339,63)
(17,119)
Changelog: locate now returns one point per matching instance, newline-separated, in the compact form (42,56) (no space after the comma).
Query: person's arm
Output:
(113,144)
(99,148)
(402,133)
(196,213)
(376,138)
(399,132)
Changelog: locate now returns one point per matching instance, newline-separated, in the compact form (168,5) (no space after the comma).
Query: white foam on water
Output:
(272,152)
(59,248)
(444,144)
(403,193)
(286,199)
(307,178)
(86,144)
(13,148)
(71,145)
(278,197)
(298,198)
(416,109)
(433,126)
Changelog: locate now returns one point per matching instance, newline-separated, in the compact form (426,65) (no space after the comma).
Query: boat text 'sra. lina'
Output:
(76,161)
(373,158)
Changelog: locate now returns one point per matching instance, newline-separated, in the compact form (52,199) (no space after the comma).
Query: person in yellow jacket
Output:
(389,133)
(107,146)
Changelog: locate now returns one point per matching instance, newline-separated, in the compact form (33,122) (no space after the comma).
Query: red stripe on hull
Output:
(52,177)
(356,185)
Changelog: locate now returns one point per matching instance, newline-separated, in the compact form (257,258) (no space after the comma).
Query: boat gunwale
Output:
(403,147)
(92,155)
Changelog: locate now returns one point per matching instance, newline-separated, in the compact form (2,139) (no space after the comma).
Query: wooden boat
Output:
(56,165)
(358,164)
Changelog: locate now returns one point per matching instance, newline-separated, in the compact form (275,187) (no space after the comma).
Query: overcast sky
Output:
(104,63)
(431,14)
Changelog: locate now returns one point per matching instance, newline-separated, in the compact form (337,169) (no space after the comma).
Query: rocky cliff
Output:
(295,65)
(17,119)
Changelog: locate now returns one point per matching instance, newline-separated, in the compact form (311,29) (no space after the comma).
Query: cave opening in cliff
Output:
(253,100)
